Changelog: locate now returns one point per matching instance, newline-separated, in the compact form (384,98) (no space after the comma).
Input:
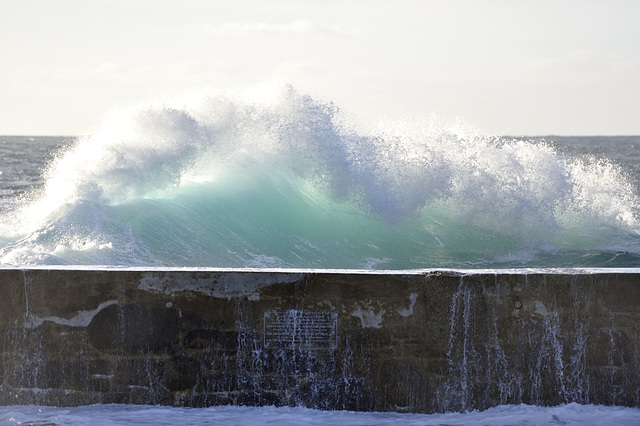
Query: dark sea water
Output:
(22,161)
(287,183)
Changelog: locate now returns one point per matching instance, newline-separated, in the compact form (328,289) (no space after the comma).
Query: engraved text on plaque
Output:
(297,329)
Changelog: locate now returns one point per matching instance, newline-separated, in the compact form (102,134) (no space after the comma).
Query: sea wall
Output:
(407,341)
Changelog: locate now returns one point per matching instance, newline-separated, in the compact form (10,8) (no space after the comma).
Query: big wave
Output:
(288,181)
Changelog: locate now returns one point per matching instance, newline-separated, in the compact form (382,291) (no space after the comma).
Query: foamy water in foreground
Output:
(570,414)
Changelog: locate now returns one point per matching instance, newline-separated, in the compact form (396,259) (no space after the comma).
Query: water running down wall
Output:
(404,341)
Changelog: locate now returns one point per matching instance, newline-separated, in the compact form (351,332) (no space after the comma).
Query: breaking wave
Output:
(229,181)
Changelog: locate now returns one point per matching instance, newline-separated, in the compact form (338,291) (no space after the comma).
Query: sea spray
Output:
(226,181)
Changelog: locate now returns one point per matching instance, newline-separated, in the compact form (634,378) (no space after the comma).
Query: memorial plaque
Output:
(302,330)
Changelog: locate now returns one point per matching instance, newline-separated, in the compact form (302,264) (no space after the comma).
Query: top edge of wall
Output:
(428,271)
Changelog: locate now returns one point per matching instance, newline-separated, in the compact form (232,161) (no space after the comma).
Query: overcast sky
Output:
(505,66)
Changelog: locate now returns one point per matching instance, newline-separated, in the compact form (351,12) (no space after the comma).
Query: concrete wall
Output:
(421,342)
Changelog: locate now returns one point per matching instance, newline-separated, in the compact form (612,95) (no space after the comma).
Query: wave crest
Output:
(225,181)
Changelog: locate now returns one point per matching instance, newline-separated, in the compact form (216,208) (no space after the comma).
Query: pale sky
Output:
(567,67)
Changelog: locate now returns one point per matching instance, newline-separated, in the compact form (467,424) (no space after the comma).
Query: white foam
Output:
(454,188)
(569,414)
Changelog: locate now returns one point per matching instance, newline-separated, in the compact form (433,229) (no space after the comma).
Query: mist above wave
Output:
(226,180)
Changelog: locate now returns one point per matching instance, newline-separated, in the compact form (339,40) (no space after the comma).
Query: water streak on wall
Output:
(408,341)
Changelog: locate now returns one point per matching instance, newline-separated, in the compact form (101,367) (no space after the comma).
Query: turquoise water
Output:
(289,182)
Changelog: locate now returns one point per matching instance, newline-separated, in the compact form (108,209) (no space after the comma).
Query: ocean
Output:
(513,415)
(292,182)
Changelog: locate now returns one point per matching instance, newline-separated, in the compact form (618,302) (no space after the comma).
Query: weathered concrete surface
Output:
(421,342)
